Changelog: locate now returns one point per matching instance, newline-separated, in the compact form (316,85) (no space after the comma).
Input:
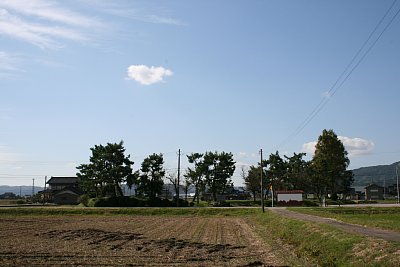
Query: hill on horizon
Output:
(380,175)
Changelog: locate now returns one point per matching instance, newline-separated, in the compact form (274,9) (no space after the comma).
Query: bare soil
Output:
(131,241)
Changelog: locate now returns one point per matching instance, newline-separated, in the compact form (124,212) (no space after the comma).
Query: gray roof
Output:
(62,180)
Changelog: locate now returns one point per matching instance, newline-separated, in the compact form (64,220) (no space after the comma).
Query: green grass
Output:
(324,245)
(379,217)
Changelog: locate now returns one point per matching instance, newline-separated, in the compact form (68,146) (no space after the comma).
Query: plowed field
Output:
(131,241)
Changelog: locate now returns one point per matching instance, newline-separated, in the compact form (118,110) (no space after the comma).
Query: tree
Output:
(329,166)
(173,179)
(218,169)
(277,171)
(298,172)
(195,175)
(252,180)
(150,182)
(108,168)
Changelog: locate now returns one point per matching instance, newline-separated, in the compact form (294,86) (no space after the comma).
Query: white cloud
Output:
(357,146)
(9,64)
(354,146)
(42,23)
(309,147)
(147,75)
(149,14)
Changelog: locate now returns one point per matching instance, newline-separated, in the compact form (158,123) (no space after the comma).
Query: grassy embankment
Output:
(296,241)
(379,217)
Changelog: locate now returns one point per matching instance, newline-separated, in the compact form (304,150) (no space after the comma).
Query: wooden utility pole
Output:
(179,173)
(33,187)
(262,181)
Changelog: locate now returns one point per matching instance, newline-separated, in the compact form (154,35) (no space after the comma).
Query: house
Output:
(63,190)
(373,192)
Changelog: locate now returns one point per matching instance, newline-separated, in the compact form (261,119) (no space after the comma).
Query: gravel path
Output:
(351,228)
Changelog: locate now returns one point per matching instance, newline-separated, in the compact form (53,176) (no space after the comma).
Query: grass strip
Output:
(323,245)
(379,217)
(52,211)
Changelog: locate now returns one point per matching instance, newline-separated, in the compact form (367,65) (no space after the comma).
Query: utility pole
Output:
(397,174)
(33,187)
(20,191)
(179,173)
(262,181)
(44,192)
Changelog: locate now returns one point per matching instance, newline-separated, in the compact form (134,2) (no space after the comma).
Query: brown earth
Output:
(131,241)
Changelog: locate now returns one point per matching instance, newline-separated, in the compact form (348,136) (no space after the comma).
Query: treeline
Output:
(326,173)
(109,167)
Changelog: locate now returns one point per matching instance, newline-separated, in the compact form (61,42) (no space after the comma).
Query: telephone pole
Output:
(33,187)
(262,181)
(179,173)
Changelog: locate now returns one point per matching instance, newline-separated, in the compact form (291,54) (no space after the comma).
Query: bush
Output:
(84,200)
(290,203)
(220,204)
(133,202)
(310,203)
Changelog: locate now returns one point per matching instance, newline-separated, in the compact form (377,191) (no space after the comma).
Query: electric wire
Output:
(334,88)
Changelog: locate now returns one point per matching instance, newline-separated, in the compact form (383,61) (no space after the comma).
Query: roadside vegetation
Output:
(324,245)
(379,217)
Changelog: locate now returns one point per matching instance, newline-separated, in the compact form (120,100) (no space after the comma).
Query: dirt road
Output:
(351,228)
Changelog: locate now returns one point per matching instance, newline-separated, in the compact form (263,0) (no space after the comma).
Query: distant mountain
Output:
(381,175)
(24,190)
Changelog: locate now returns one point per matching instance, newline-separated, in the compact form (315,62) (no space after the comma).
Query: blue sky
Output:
(233,76)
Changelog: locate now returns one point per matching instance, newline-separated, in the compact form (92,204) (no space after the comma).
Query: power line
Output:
(335,87)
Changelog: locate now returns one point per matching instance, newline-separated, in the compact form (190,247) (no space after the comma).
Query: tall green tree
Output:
(195,175)
(150,181)
(218,169)
(107,170)
(277,171)
(298,172)
(329,166)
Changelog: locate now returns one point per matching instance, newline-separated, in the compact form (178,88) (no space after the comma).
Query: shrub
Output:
(290,203)
(84,200)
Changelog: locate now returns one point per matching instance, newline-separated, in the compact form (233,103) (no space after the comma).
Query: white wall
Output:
(287,197)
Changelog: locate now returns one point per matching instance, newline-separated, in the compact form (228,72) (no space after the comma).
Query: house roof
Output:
(62,180)
(70,189)
(290,192)
(373,185)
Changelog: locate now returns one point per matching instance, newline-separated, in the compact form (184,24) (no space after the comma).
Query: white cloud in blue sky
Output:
(9,64)
(354,146)
(148,75)
(44,23)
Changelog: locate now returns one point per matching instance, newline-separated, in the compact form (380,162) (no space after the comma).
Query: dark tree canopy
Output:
(218,169)
(195,175)
(108,168)
(329,165)
(150,182)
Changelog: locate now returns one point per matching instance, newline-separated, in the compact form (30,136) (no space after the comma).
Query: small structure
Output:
(63,190)
(373,192)
(290,197)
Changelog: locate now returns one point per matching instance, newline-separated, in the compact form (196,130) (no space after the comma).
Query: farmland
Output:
(57,236)
(130,240)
